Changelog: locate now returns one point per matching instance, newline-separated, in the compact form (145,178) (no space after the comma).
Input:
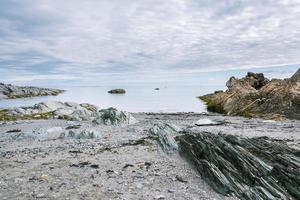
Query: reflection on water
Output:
(136,99)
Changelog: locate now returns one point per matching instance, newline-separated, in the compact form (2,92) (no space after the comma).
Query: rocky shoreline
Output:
(56,150)
(8,91)
(256,96)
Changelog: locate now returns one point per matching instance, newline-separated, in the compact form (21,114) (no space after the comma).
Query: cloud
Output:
(84,39)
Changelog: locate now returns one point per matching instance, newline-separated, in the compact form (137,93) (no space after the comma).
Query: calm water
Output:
(136,99)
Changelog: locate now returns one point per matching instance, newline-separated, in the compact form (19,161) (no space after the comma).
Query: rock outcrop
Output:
(256,96)
(69,111)
(117,91)
(250,168)
(8,91)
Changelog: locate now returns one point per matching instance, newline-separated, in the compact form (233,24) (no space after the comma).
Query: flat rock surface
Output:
(118,162)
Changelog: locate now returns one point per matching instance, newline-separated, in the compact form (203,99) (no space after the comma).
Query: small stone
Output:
(160,197)
(171,191)
(180,179)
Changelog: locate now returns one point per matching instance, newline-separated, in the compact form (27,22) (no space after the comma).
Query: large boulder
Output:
(112,116)
(256,96)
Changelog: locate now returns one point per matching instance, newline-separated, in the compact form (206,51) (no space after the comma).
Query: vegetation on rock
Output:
(256,96)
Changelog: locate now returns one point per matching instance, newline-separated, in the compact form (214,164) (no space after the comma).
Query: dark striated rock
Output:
(165,134)
(8,91)
(117,91)
(250,168)
(256,96)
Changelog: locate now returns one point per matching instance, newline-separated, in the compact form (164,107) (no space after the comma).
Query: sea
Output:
(169,99)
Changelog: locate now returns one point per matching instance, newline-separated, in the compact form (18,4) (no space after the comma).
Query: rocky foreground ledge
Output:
(8,91)
(83,152)
(256,96)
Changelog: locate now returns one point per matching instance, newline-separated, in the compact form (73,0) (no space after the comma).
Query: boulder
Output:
(250,168)
(117,91)
(112,116)
(165,134)
(256,96)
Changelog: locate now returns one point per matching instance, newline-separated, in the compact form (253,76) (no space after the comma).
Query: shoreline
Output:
(115,162)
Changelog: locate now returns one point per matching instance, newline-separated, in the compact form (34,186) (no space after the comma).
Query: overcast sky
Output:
(106,40)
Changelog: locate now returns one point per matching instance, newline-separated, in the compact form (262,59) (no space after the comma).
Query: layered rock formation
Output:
(250,168)
(69,111)
(165,133)
(256,96)
(8,91)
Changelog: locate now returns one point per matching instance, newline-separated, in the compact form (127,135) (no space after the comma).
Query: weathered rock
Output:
(8,91)
(250,168)
(112,116)
(165,134)
(209,122)
(49,110)
(117,91)
(256,96)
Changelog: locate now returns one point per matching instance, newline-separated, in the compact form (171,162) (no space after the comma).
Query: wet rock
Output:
(117,91)
(112,116)
(256,96)
(165,135)
(250,168)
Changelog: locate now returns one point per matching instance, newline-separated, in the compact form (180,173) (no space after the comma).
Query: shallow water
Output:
(136,99)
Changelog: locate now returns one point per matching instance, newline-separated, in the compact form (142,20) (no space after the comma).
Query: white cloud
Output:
(92,37)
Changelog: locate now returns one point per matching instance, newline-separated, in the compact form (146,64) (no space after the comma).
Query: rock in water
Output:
(256,96)
(8,91)
(250,168)
(112,116)
(117,91)
(165,134)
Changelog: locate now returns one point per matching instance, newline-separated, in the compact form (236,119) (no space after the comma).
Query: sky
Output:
(134,41)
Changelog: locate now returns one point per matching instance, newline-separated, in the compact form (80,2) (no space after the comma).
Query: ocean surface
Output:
(137,98)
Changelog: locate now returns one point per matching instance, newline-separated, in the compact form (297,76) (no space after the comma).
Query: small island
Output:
(117,91)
